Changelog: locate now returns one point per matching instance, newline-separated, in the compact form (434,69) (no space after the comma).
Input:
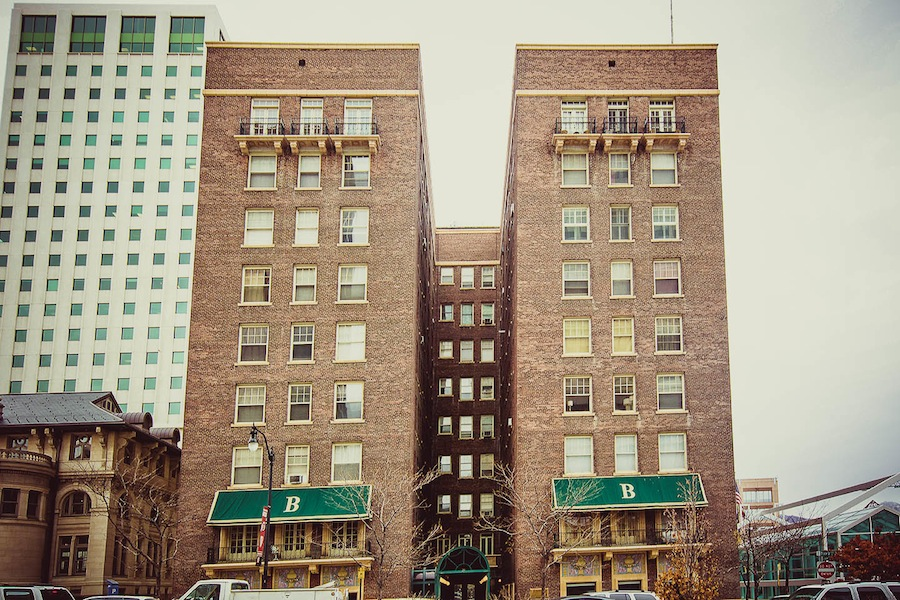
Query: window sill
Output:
(631,297)
(342,362)
(620,185)
(441,283)
(575,187)
(625,413)
(629,241)
(346,482)
(445,320)
(591,474)
(354,245)
(678,239)
(673,471)
(242,424)
(618,473)
(251,363)
(467,362)
(467,399)
(579,355)
(262,246)
(668,353)
(351,301)
(445,395)
(350,421)
(294,303)
(489,288)
(665,185)
(445,358)
(304,245)
(578,414)
(245,486)
(298,422)
(623,354)
(307,189)
(667,296)
(295,485)
(576,298)
(488,324)
(491,399)
(671,411)
(577,241)
(445,433)
(254,304)
(353,189)
(301,362)
(467,324)
(260,189)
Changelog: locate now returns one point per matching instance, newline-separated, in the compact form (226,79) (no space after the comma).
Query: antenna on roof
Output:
(671,23)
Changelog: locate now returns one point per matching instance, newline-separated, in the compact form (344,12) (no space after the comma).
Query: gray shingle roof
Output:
(57,409)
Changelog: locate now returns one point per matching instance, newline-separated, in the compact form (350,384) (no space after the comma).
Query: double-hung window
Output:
(250,404)
(466,388)
(302,339)
(256,285)
(354,226)
(666,277)
(312,121)
(264,116)
(623,335)
(296,465)
(246,467)
(356,171)
(261,172)
(258,227)
(445,349)
(466,470)
(575,223)
(579,455)
(446,275)
(445,425)
(672,452)
(620,224)
(466,351)
(465,506)
(348,400)
(306,229)
(309,176)
(465,427)
(487,314)
(487,351)
(486,465)
(445,386)
(466,314)
(670,391)
(665,223)
(299,402)
(668,335)
(487,388)
(487,277)
(574,170)
(352,283)
(663,168)
(254,343)
(346,462)
(305,284)
(466,278)
(619,169)
(487,427)
(623,393)
(577,391)
(621,276)
(576,279)
(351,342)
(445,464)
(577,337)
(626,454)
(446,312)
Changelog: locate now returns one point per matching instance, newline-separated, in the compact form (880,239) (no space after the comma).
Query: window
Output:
(258,227)
(354,226)
(9,502)
(486,505)
(487,277)
(626,454)
(358,117)
(251,404)
(446,312)
(351,342)
(466,388)
(576,279)
(577,392)
(445,425)
(246,467)
(445,465)
(619,169)
(621,275)
(311,121)
(486,465)
(670,391)
(466,278)
(487,388)
(662,116)
(87,34)
(465,466)
(352,283)
(574,170)
(672,452)
(186,35)
(465,427)
(663,169)
(487,314)
(577,337)
(620,224)
(346,462)
(305,284)
(579,455)
(487,426)
(466,351)
(445,349)
(309,177)
(623,393)
(467,314)
(443,503)
(575,223)
(446,275)
(487,351)
(264,116)
(465,506)
(261,172)
(299,402)
(296,465)
(37,35)
(256,285)
(254,343)
(445,386)
(137,35)
(348,400)
(573,117)
(81,447)
(668,334)
(667,278)
(356,171)
(302,338)
(665,223)
(623,335)
(72,554)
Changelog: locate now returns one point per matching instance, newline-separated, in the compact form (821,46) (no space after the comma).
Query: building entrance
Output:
(463,574)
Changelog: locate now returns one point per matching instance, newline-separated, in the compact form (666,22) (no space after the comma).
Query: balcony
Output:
(356,134)
(668,133)
(35,463)
(617,538)
(267,134)
(309,133)
(620,134)
(575,134)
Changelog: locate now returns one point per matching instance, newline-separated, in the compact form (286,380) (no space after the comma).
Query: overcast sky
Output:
(810,123)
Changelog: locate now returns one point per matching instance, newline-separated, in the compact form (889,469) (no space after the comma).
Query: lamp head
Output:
(253,443)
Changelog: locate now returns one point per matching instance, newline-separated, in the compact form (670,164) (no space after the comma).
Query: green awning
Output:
(332,503)
(638,491)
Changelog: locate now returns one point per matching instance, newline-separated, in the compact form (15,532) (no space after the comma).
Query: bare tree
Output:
(768,541)
(537,523)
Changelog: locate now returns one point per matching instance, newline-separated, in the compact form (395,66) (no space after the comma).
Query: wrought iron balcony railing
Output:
(342,127)
(665,125)
(618,537)
(309,127)
(620,125)
(261,127)
(575,126)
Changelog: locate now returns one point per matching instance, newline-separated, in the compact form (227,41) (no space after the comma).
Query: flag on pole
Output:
(738,500)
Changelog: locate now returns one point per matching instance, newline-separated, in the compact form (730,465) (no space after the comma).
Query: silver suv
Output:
(34,592)
(867,590)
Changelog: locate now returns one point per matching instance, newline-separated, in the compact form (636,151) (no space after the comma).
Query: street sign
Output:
(826,569)
(262,535)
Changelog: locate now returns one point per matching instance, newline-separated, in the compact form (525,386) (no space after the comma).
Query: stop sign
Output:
(826,569)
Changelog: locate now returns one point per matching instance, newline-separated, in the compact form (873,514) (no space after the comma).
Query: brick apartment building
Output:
(584,342)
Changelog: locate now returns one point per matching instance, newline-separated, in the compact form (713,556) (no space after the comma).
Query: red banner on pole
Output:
(262,535)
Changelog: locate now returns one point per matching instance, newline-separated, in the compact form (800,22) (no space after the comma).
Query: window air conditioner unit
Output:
(297,479)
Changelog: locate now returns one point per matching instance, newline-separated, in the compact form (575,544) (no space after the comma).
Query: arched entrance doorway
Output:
(463,574)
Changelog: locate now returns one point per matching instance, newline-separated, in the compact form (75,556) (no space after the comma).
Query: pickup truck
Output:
(238,589)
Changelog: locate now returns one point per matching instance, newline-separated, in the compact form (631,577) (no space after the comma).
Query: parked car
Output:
(624,595)
(866,590)
(34,592)
(121,597)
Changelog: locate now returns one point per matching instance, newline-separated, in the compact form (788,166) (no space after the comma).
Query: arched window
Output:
(76,504)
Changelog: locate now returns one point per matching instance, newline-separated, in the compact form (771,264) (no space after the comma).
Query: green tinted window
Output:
(137,35)
(37,34)
(87,34)
(186,35)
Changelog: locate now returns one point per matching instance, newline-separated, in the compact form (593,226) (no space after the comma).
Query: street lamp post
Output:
(253,446)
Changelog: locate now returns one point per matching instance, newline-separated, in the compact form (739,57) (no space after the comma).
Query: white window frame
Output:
(250,398)
(466,424)
(446,276)
(309,172)
(624,393)
(252,329)
(682,451)
(445,425)
(350,448)
(573,116)
(626,453)
(617,115)
(617,272)
(486,388)
(312,121)
(467,278)
(671,384)
(466,466)
(486,465)
(352,233)
(576,228)
(466,351)
(264,116)
(445,464)
(296,465)
(487,313)
(666,218)
(348,394)
(579,176)
(467,314)
(488,275)
(662,116)
(666,325)
(446,314)
(571,327)
(466,388)
(577,386)
(575,274)
(616,168)
(445,349)
(299,394)
(260,169)
(486,504)
(445,386)
(486,427)
(623,336)
(304,271)
(303,335)
(667,270)
(356,174)
(571,457)
(358,116)
(444,504)
(306,227)
(659,167)
(615,227)
(259,228)
(348,346)
(465,506)
(253,278)
(242,458)
(487,350)
(352,279)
